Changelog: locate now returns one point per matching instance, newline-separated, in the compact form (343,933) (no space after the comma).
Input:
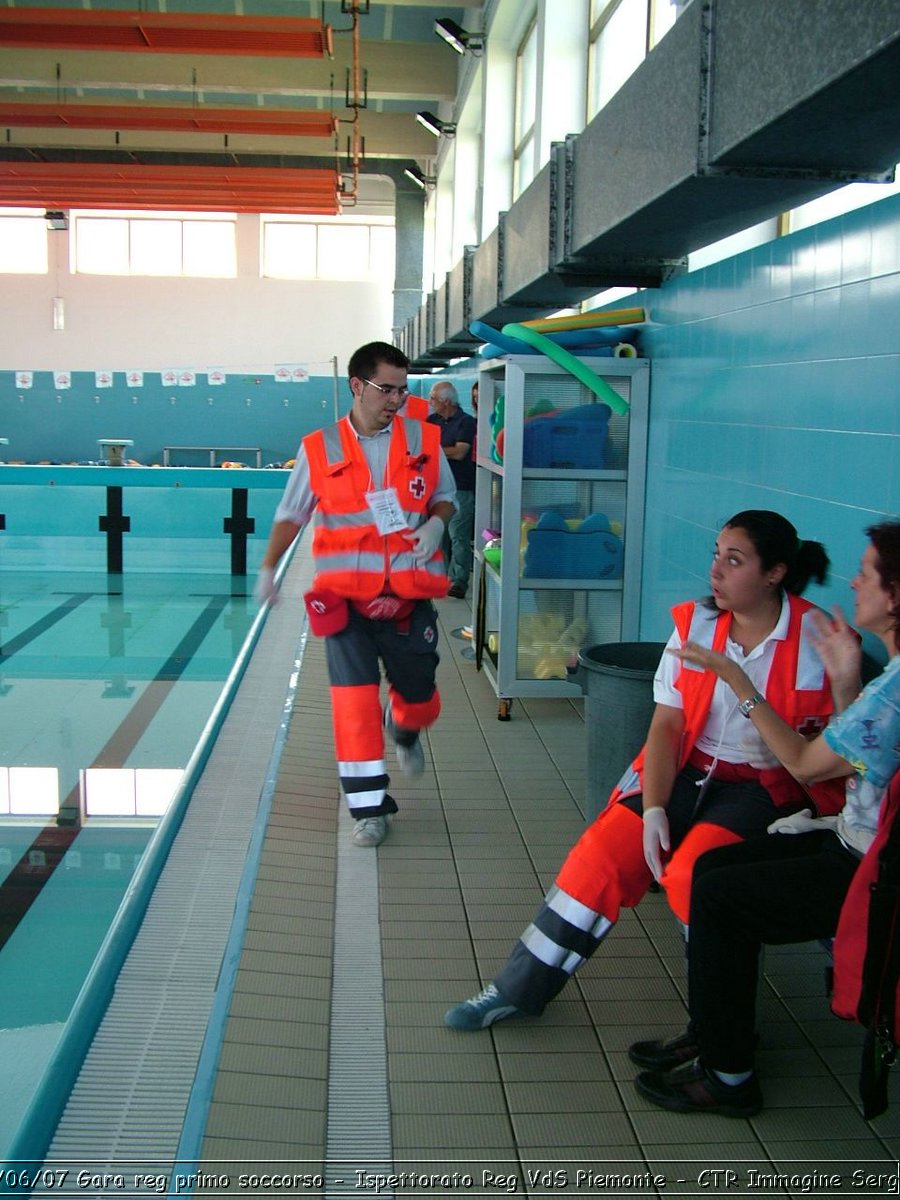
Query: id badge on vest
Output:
(385,507)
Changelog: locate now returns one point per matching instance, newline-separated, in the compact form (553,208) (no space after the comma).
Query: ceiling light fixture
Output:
(435,125)
(56,219)
(419,179)
(458,38)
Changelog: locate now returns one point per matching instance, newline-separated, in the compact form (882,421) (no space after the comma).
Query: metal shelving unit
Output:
(565,586)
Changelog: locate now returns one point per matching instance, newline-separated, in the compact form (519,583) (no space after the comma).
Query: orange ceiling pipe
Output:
(164,32)
(196,189)
(169,117)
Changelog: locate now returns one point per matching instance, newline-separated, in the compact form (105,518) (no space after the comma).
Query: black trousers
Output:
(772,890)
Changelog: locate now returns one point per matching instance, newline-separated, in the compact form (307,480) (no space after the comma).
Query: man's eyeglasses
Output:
(400,392)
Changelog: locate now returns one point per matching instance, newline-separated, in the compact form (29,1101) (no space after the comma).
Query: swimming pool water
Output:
(106,684)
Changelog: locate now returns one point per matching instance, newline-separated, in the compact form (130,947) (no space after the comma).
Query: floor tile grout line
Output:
(358,1132)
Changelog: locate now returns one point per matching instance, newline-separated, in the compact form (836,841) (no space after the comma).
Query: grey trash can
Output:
(617,681)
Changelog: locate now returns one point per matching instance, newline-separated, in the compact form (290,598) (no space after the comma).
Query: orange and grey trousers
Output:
(408,650)
(606,871)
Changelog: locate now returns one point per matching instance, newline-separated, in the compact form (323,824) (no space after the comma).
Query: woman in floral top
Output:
(783,889)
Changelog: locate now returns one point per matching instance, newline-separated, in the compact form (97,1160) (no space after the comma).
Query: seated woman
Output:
(778,890)
(704,777)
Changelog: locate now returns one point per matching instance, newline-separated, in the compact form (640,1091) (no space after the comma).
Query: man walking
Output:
(381,494)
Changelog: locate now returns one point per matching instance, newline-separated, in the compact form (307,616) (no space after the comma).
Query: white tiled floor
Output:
(477,840)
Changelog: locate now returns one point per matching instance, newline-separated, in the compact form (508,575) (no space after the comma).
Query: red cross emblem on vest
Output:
(417,487)
(811,727)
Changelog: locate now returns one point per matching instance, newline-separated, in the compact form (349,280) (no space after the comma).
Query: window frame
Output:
(78,218)
(41,265)
(524,141)
(598,22)
(375,271)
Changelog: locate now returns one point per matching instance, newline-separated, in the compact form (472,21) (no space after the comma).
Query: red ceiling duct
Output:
(196,189)
(169,117)
(164,32)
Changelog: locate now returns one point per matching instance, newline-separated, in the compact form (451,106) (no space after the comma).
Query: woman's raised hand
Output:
(839,648)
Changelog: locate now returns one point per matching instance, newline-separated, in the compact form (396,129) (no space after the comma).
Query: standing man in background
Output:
(381,494)
(457,438)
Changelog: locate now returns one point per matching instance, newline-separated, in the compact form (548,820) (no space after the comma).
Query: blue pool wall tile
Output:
(46,424)
(775,383)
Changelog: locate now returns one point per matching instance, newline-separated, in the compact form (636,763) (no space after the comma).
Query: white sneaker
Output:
(369,831)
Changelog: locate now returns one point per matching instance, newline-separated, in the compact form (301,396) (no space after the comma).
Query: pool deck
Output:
(478,839)
(334,1058)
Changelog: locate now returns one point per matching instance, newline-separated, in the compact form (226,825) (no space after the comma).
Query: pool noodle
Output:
(621,316)
(511,346)
(609,336)
(561,356)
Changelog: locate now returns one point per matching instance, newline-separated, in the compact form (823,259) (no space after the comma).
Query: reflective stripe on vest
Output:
(352,558)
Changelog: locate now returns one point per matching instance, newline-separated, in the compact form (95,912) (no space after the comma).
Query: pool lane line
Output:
(25,882)
(46,622)
(138,718)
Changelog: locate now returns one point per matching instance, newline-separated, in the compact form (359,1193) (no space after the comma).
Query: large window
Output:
(193,244)
(23,241)
(841,200)
(357,250)
(524,143)
(618,44)
(621,34)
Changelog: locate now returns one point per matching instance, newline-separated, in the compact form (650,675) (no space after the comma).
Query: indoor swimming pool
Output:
(107,683)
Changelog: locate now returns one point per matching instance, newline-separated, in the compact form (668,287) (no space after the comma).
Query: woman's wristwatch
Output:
(746,707)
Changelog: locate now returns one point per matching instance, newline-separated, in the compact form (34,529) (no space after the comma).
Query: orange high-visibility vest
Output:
(352,558)
(797,688)
(417,408)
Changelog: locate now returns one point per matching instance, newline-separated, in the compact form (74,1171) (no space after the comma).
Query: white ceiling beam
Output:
(395,71)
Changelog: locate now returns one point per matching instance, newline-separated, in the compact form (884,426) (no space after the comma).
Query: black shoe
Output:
(457,591)
(662,1055)
(694,1088)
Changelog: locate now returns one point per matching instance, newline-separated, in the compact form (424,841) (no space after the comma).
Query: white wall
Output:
(119,323)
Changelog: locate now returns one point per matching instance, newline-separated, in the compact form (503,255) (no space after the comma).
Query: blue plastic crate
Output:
(573,440)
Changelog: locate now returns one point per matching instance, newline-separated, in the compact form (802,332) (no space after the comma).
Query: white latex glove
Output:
(656,839)
(265,591)
(426,539)
(799,822)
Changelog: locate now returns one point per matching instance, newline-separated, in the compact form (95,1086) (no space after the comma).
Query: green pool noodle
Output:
(561,356)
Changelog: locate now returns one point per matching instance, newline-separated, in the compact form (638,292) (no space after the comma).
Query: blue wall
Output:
(775,384)
(46,425)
